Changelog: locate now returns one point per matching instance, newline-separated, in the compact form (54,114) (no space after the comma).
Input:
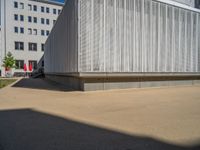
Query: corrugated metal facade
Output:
(61,48)
(124,36)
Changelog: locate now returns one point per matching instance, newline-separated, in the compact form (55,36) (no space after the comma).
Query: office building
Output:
(25,26)
(124,44)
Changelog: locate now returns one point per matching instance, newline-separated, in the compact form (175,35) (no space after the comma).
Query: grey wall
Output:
(138,36)
(61,48)
(124,36)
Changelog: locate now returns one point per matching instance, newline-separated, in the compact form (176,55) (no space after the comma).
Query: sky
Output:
(59,0)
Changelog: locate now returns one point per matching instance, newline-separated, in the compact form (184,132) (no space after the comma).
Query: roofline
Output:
(180,5)
(49,2)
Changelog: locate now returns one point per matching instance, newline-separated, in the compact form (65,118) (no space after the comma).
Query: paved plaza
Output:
(38,115)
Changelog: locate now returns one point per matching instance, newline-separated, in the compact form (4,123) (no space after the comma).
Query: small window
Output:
(47,10)
(59,11)
(21,18)
(54,11)
(42,20)
(47,21)
(54,21)
(35,19)
(29,31)
(47,32)
(16,29)
(21,30)
(35,31)
(29,7)
(35,8)
(42,9)
(19,64)
(29,19)
(42,47)
(33,63)
(15,17)
(15,4)
(32,46)
(42,32)
(43,63)
(19,45)
(21,5)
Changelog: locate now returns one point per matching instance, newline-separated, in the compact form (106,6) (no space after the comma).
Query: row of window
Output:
(31,31)
(32,19)
(31,46)
(20,64)
(35,8)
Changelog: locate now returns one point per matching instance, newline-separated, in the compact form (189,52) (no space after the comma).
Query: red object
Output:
(30,67)
(25,68)
(7,69)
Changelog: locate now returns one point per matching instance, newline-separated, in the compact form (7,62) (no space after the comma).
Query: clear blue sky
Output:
(59,0)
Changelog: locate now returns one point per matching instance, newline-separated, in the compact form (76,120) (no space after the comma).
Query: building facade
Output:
(197,4)
(119,44)
(25,26)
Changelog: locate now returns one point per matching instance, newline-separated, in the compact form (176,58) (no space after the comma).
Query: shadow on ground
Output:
(27,129)
(41,84)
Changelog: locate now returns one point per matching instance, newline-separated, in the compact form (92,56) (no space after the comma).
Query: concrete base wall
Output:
(101,83)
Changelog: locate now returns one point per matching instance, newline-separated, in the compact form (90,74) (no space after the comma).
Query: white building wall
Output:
(138,36)
(132,36)
(8,23)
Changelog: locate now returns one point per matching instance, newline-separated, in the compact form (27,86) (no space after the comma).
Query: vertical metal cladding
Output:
(137,36)
(61,48)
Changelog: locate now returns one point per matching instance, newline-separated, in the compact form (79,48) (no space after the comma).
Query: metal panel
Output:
(61,48)
(137,36)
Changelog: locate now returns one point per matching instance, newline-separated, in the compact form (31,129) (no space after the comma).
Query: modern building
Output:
(25,26)
(108,44)
(186,2)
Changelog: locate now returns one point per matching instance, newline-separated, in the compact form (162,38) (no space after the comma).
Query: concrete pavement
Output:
(35,114)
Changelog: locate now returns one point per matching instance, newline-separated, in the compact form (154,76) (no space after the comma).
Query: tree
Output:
(9,61)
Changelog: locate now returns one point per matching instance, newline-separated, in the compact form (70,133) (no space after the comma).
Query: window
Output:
(19,45)
(47,32)
(42,47)
(15,17)
(59,11)
(42,32)
(29,31)
(47,21)
(21,5)
(35,19)
(21,30)
(43,63)
(35,8)
(16,29)
(29,7)
(42,20)
(35,31)
(32,46)
(15,4)
(47,10)
(33,63)
(21,18)
(29,19)
(42,9)
(19,64)
(54,11)
(54,21)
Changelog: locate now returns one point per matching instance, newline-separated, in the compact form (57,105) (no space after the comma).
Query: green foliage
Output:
(9,61)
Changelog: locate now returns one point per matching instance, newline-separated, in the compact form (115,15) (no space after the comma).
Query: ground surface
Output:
(5,82)
(37,115)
